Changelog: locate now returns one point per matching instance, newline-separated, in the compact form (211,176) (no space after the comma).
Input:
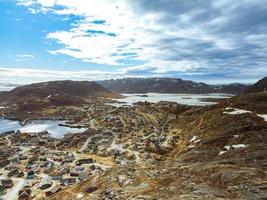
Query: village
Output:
(30,170)
(35,165)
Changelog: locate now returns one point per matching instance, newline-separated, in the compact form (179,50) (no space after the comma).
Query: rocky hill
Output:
(208,153)
(168,85)
(55,92)
(260,86)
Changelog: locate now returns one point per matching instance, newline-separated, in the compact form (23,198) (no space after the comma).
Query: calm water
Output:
(6,87)
(51,126)
(188,99)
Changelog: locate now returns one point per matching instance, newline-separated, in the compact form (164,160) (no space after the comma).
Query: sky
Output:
(212,41)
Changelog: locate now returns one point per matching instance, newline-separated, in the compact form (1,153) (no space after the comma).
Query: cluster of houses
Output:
(44,171)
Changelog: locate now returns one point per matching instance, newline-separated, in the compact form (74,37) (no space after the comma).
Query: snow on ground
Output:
(222,152)
(80,195)
(234,146)
(193,139)
(240,111)
(236,111)
(264,116)
(237,146)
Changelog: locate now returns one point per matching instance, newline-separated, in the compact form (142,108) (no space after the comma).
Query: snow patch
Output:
(193,139)
(227,147)
(191,146)
(49,96)
(264,116)
(237,146)
(80,195)
(236,111)
(222,152)
(196,141)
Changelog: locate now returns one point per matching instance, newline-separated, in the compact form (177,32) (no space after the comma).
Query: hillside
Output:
(168,85)
(260,86)
(55,92)
(208,153)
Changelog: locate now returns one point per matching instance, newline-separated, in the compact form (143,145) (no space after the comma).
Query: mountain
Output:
(55,92)
(260,86)
(167,85)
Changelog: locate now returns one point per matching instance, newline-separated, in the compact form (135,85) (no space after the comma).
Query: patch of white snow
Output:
(264,116)
(193,139)
(237,112)
(80,195)
(237,146)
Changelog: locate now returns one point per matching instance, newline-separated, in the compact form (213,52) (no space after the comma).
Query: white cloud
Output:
(182,35)
(23,57)
(25,75)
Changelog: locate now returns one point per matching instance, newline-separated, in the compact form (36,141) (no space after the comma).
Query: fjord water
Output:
(187,99)
(37,126)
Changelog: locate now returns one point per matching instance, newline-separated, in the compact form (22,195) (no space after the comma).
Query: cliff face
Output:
(168,85)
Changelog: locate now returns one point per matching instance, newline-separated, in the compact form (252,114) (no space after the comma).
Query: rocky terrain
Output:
(260,86)
(216,152)
(168,85)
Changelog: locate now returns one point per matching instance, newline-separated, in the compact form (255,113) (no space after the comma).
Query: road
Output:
(85,145)
(8,141)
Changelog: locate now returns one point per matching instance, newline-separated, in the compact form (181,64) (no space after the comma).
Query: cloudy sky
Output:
(214,41)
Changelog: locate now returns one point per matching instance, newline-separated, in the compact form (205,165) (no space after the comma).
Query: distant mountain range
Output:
(168,85)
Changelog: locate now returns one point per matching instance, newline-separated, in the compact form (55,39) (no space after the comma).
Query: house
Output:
(15,160)
(25,194)
(35,140)
(53,190)
(68,181)
(69,158)
(84,175)
(14,172)
(4,163)
(56,175)
(32,160)
(7,183)
(2,190)
(46,183)
(30,174)
(75,172)
(22,157)
(85,161)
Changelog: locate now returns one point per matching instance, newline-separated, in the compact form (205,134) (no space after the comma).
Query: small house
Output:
(53,190)
(7,183)
(46,183)
(30,174)
(68,181)
(85,161)
(25,194)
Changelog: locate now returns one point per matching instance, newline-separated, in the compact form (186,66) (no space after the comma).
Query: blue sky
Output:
(218,41)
